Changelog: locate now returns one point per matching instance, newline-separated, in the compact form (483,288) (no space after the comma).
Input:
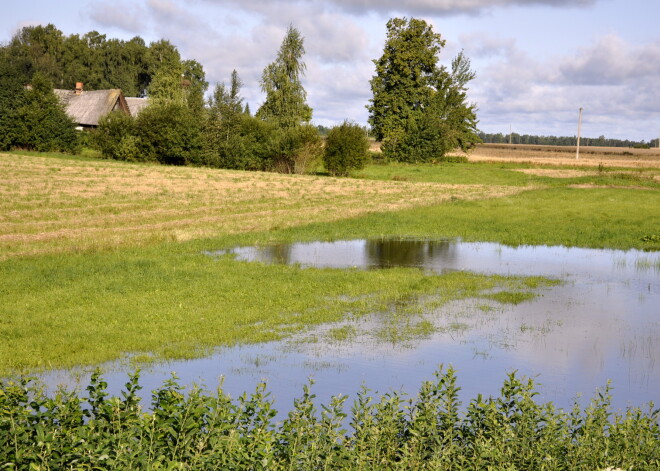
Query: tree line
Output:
(419,109)
(92,58)
(601,141)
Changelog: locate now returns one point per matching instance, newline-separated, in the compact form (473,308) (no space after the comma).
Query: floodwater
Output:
(602,324)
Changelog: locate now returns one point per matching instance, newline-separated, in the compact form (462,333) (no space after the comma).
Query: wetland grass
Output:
(171,303)
(101,259)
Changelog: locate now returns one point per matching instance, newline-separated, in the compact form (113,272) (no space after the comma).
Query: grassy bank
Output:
(173,302)
(576,217)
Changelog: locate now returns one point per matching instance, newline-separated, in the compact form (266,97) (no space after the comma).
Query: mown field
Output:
(566,155)
(100,260)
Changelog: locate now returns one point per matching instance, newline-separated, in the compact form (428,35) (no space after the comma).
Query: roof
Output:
(86,108)
(135,105)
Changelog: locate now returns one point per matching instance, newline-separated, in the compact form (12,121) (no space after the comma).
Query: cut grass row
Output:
(56,205)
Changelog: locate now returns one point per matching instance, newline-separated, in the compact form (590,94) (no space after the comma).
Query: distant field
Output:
(565,155)
(64,205)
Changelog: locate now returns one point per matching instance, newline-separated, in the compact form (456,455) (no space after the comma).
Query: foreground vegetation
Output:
(197,430)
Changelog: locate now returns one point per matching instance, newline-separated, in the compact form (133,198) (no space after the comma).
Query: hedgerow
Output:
(199,430)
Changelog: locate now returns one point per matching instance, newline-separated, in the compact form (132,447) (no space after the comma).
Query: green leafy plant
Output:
(207,431)
(346,149)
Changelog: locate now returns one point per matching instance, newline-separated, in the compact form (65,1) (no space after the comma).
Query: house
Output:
(87,107)
(136,104)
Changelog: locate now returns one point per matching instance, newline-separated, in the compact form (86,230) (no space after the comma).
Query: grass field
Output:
(566,155)
(103,259)
(63,205)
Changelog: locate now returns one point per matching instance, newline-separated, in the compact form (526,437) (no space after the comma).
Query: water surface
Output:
(602,324)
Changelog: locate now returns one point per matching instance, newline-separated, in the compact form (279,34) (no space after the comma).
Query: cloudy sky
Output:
(537,61)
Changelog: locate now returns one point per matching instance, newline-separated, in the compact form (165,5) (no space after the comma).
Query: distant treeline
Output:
(92,58)
(600,141)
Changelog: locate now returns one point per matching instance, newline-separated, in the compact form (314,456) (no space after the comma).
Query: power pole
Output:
(577,152)
(510,133)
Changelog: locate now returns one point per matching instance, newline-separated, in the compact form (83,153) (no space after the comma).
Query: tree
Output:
(116,137)
(167,133)
(346,148)
(419,110)
(42,123)
(285,96)
(12,97)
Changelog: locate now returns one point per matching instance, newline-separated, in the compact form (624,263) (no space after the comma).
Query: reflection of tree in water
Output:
(406,253)
(279,253)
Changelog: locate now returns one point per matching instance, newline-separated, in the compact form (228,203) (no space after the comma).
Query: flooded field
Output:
(601,324)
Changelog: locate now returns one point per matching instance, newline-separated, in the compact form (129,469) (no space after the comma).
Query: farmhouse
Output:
(87,107)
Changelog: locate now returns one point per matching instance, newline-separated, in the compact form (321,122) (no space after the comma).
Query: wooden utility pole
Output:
(510,133)
(577,152)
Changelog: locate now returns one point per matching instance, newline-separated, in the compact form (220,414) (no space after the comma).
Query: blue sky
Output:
(537,61)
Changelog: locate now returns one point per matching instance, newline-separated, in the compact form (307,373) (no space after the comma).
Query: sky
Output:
(537,61)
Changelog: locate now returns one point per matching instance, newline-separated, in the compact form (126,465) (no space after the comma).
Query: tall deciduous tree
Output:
(286,99)
(419,109)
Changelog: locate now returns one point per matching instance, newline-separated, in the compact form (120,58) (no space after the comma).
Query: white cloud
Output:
(126,16)
(612,61)
(409,7)
(613,80)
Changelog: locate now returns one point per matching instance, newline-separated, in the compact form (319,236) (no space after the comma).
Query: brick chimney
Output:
(79,88)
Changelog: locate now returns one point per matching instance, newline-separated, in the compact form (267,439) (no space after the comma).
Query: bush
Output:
(41,123)
(296,149)
(114,130)
(346,149)
(240,143)
(169,133)
(433,430)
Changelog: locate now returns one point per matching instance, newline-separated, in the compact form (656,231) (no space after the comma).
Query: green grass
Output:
(596,218)
(508,174)
(167,300)
(459,173)
(171,301)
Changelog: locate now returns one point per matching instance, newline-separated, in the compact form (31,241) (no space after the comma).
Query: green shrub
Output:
(196,430)
(455,159)
(296,149)
(169,133)
(346,149)
(240,143)
(41,123)
(112,134)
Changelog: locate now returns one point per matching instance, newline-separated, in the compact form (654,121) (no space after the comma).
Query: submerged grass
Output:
(433,430)
(511,297)
(91,308)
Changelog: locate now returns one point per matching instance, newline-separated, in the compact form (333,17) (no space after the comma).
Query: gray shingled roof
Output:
(87,108)
(135,105)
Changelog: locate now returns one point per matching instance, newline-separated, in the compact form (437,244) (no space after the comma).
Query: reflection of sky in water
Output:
(603,323)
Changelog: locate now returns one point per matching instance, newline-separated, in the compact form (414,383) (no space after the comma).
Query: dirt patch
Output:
(620,187)
(556,172)
(566,156)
